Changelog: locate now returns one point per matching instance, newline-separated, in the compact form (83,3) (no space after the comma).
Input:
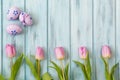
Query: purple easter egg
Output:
(14,29)
(25,19)
(13,13)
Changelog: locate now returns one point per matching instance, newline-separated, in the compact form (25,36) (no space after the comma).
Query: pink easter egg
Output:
(25,19)
(22,17)
(13,13)
(14,29)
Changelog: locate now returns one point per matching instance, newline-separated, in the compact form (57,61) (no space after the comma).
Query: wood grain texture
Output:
(7,39)
(37,33)
(118,35)
(104,33)
(19,39)
(1,36)
(66,23)
(81,33)
(58,30)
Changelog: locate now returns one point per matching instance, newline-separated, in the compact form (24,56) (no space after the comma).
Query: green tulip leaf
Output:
(107,75)
(1,77)
(47,76)
(66,72)
(32,68)
(88,67)
(113,71)
(82,66)
(58,69)
(15,67)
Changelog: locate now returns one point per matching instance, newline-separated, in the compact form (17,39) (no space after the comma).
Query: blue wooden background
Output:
(67,23)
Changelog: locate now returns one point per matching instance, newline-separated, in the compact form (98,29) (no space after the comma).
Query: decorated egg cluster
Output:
(15,13)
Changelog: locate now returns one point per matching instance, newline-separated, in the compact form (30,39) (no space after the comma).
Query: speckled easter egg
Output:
(25,19)
(14,29)
(13,13)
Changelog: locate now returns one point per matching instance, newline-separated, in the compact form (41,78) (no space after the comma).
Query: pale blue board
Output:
(36,35)
(81,33)
(58,30)
(117,16)
(104,33)
(8,39)
(0,36)
(19,40)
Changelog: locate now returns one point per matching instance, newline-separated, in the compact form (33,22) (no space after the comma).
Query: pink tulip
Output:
(106,53)
(10,50)
(60,53)
(39,53)
(83,52)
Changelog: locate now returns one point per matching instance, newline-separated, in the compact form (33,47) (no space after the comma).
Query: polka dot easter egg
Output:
(25,19)
(13,13)
(14,29)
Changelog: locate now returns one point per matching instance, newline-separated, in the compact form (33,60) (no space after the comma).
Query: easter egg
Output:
(13,13)
(14,29)
(25,19)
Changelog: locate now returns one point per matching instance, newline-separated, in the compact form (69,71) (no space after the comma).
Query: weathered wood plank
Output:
(104,33)
(81,32)
(1,36)
(58,30)
(18,41)
(37,34)
(118,35)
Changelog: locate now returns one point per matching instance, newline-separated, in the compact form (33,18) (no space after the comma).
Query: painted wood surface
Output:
(67,23)
(117,25)
(37,34)
(58,25)
(0,36)
(18,41)
(104,32)
(81,32)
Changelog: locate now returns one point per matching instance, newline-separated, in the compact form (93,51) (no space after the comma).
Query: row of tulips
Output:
(63,72)
(59,52)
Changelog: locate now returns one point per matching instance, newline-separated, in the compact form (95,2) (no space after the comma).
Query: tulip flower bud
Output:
(83,52)
(60,53)
(10,50)
(106,53)
(39,53)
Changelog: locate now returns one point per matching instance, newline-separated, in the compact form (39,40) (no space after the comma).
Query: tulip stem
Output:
(38,67)
(108,69)
(11,62)
(62,69)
